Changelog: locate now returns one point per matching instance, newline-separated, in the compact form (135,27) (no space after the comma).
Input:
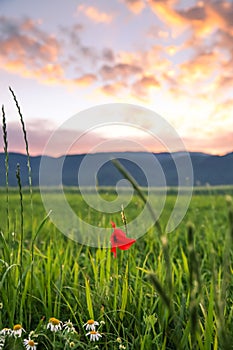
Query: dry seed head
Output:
(123,217)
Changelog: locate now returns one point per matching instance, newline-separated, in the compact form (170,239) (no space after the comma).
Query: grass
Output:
(131,294)
(172,291)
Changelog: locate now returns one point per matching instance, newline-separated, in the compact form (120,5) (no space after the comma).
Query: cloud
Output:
(115,89)
(94,14)
(119,71)
(168,15)
(136,6)
(220,143)
(85,80)
(142,86)
(200,67)
(28,51)
(108,54)
(206,29)
(31,53)
(38,138)
(22,39)
(216,143)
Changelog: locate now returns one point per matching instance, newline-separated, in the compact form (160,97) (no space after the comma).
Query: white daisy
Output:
(17,330)
(68,327)
(54,324)
(6,331)
(90,325)
(30,344)
(94,335)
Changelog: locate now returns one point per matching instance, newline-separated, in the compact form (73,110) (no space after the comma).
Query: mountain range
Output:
(157,169)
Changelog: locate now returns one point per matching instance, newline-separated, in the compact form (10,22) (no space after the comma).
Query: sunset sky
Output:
(174,57)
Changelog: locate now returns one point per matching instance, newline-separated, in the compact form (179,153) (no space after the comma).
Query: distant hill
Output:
(207,169)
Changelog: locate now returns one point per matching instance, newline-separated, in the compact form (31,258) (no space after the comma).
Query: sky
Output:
(172,57)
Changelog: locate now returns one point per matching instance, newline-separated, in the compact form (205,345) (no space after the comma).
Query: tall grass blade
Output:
(21,221)
(5,140)
(88,298)
(27,150)
(136,186)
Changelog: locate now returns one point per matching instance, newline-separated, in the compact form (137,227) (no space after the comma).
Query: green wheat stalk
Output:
(27,150)
(194,285)
(225,336)
(21,222)
(5,140)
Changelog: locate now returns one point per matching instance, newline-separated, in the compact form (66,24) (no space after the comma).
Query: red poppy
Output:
(119,240)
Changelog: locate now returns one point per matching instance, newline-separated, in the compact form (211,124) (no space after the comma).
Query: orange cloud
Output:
(199,68)
(85,80)
(165,12)
(94,14)
(114,89)
(136,6)
(217,143)
(220,143)
(141,87)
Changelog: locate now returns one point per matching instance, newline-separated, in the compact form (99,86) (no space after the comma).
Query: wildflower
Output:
(90,325)
(118,340)
(94,335)
(6,331)
(119,240)
(54,324)
(72,344)
(2,341)
(30,344)
(17,330)
(1,306)
(122,346)
(68,326)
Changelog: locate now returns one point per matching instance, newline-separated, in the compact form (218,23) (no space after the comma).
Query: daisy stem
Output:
(54,340)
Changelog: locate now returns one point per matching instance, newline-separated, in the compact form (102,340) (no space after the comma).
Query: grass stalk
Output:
(136,186)
(27,150)
(194,286)
(5,140)
(21,222)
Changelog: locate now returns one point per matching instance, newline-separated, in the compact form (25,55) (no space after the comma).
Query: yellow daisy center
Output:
(90,321)
(17,327)
(31,342)
(54,321)
(93,332)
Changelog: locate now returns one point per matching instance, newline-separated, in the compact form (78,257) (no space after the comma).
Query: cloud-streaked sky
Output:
(174,57)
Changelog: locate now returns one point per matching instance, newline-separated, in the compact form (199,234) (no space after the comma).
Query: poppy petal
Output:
(126,246)
(113,250)
(120,240)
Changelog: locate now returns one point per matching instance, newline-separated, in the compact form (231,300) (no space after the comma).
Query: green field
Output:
(171,291)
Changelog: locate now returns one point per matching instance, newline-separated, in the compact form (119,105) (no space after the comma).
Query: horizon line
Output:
(120,152)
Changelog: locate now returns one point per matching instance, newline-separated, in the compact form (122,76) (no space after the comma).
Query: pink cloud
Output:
(218,143)
(136,6)
(95,14)
(119,70)
(143,85)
